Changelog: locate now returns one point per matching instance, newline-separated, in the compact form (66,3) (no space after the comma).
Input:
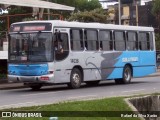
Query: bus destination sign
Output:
(31,27)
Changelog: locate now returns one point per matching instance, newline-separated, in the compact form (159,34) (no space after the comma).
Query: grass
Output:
(75,110)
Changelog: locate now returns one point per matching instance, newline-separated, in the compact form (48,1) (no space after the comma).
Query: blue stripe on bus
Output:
(28,70)
(143,63)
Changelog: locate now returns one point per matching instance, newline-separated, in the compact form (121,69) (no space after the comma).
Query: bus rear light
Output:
(44,78)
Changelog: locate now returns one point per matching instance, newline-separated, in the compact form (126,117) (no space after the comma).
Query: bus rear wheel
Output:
(127,76)
(75,79)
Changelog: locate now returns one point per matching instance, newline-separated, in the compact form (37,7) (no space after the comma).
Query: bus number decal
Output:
(74,61)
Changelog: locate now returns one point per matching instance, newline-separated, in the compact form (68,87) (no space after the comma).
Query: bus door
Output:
(61,52)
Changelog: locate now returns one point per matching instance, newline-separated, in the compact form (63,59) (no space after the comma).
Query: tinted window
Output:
(132,43)
(105,40)
(91,40)
(76,40)
(151,41)
(31,47)
(144,41)
(61,47)
(119,41)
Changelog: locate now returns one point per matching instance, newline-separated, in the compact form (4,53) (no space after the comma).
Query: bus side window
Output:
(62,44)
(106,43)
(91,40)
(148,41)
(144,41)
(131,41)
(151,40)
(76,39)
(119,40)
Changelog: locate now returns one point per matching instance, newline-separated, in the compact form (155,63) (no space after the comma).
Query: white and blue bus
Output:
(61,52)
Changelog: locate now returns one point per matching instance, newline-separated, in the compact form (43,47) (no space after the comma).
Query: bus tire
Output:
(127,76)
(75,79)
(36,87)
(92,83)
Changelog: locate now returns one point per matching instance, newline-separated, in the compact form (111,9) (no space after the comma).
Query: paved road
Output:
(54,94)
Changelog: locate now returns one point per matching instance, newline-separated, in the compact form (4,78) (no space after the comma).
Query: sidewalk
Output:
(5,86)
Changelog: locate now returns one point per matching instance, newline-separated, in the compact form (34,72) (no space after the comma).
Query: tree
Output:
(18,10)
(97,15)
(80,5)
(87,5)
(156,13)
(12,11)
(157,37)
(156,7)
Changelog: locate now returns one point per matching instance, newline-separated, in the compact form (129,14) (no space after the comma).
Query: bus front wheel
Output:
(75,79)
(127,76)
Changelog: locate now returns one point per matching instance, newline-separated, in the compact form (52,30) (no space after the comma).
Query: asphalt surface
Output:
(5,85)
(59,93)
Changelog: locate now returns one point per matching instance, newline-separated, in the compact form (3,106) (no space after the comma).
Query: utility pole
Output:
(119,10)
(137,20)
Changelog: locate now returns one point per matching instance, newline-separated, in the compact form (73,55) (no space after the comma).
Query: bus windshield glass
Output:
(31,47)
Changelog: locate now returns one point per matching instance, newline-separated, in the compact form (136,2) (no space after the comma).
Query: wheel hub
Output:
(76,78)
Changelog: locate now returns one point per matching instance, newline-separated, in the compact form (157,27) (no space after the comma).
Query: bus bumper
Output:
(32,79)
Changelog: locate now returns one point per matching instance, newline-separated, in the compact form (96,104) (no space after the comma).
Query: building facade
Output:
(133,14)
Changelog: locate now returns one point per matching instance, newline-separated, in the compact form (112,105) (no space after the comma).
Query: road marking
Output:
(42,93)
(133,90)
(17,105)
(83,96)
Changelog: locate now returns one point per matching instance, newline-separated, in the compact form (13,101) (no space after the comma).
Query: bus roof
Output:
(73,24)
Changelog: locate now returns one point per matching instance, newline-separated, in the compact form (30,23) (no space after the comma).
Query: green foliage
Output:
(28,19)
(18,10)
(156,7)
(85,5)
(97,15)
(158,41)
(12,11)
(92,106)
(80,5)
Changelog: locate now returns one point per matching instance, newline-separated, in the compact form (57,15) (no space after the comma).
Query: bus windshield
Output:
(31,47)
